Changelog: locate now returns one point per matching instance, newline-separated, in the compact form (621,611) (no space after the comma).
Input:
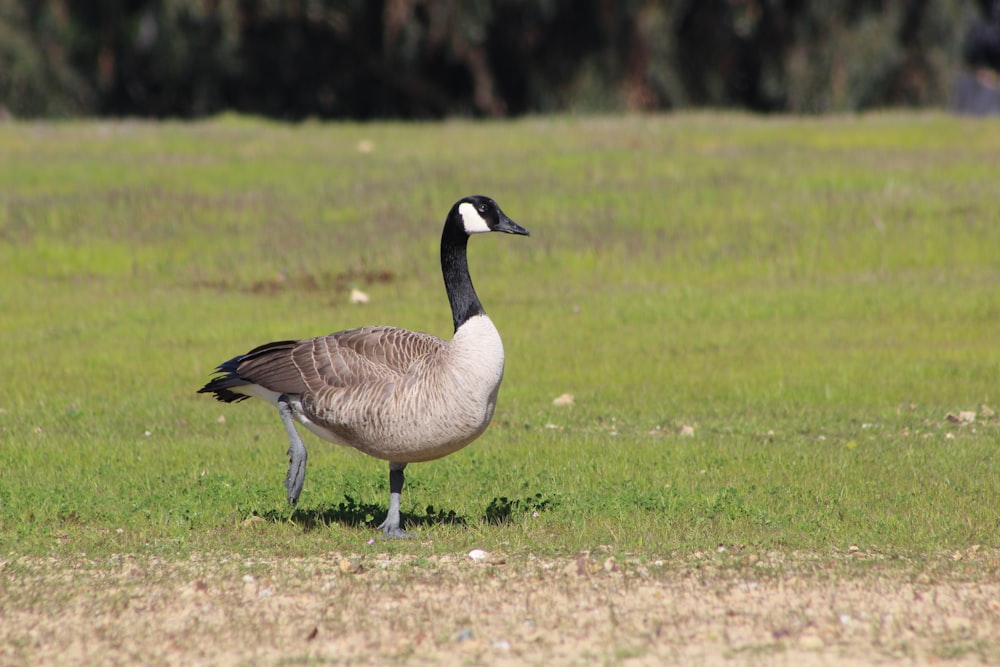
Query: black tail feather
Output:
(221,385)
(229,375)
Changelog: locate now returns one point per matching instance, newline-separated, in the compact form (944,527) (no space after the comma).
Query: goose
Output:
(398,395)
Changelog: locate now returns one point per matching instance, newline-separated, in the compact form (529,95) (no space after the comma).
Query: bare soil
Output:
(718,608)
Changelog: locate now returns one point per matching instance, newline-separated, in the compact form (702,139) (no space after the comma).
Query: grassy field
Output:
(764,323)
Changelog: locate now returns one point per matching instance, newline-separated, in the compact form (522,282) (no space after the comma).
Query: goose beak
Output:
(509,226)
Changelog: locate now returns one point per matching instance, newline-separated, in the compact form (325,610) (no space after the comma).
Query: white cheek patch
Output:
(471,220)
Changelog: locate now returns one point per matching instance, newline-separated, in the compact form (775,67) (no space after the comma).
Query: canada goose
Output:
(395,394)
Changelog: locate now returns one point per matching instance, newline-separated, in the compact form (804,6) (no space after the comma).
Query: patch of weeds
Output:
(647,500)
(69,516)
(958,649)
(626,652)
(730,503)
(500,510)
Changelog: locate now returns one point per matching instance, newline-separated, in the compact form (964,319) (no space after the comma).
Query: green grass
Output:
(812,296)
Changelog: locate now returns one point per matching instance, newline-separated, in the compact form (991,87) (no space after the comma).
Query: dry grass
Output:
(848,608)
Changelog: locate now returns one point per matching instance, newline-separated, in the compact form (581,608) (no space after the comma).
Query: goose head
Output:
(478,214)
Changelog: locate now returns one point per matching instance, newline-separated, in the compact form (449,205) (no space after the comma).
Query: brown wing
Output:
(343,359)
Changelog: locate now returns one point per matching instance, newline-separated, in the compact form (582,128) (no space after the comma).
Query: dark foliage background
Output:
(433,58)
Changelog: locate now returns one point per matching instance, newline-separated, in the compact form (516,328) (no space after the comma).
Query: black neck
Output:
(457,282)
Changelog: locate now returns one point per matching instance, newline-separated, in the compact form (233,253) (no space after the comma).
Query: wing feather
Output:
(340,360)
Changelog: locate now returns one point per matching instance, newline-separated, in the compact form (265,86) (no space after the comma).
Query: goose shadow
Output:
(354,514)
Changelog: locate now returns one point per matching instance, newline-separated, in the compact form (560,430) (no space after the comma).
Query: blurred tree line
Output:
(432,58)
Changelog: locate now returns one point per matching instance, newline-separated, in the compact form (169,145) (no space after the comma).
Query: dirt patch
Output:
(303,282)
(696,609)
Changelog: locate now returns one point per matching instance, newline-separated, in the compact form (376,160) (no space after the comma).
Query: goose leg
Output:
(296,453)
(390,527)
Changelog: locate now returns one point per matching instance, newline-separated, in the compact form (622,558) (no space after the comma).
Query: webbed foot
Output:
(394,532)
